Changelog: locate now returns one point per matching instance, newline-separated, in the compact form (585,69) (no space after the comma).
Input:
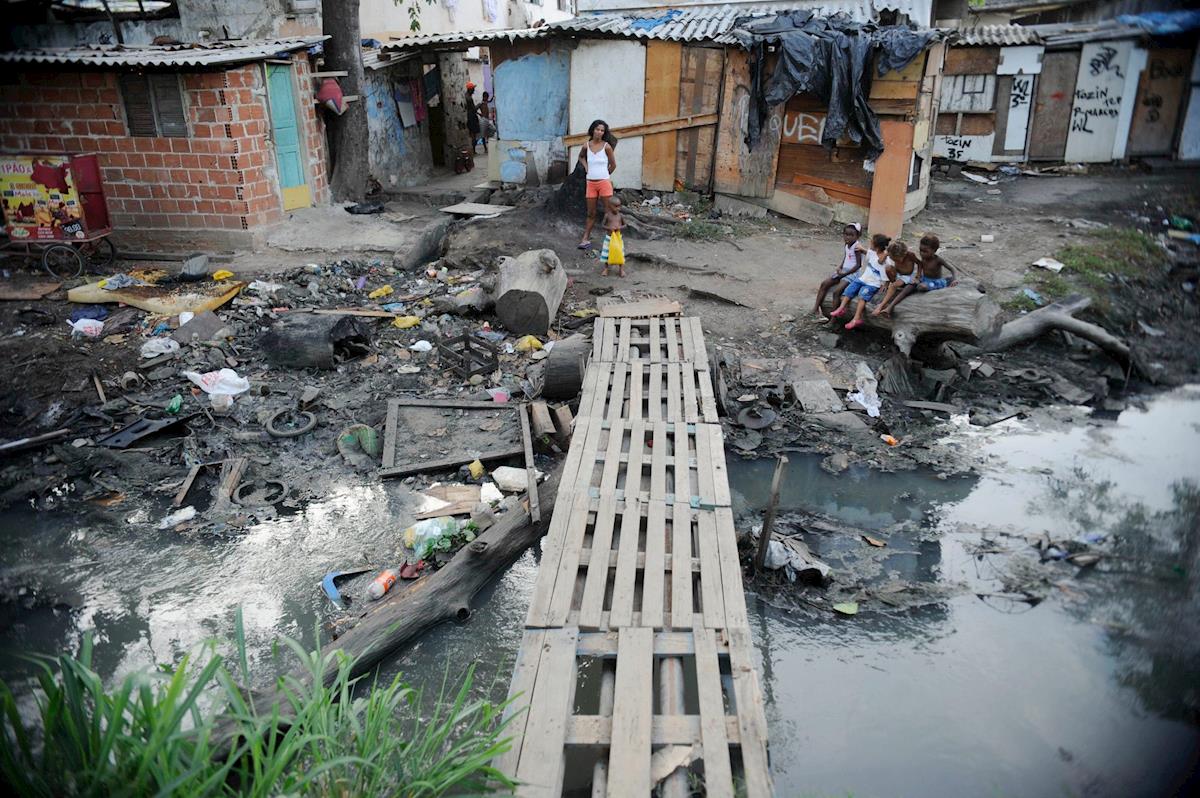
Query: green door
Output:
(287,137)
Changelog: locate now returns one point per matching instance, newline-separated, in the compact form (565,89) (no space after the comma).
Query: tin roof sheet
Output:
(707,23)
(998,35)
(170,55)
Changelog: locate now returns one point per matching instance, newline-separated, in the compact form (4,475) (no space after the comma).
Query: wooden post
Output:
(769,520)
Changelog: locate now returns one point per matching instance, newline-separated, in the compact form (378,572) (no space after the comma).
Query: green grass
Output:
(700,231)
(1092,267)
(161,733)
(1018,303)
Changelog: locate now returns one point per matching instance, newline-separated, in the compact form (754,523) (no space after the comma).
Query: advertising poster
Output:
(39,199)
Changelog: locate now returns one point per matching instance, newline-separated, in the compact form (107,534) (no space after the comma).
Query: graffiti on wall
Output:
(803,128)
(1100,90)
(964,148)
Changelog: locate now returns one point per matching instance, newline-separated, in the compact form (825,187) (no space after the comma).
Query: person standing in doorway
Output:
(598,157)
(473,118)
(487,119)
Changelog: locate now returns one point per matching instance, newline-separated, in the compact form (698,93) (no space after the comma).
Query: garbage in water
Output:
(178,517)
(866,395)
(512,480)
(381,584)
(433,534)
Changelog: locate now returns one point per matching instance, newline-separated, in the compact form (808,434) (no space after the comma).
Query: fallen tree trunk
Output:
(1060,316)
(961,313)
(388,625)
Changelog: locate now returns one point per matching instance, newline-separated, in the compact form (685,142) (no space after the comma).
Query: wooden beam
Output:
(681,123)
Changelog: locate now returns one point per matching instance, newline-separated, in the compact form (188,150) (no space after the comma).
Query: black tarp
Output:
(828,57)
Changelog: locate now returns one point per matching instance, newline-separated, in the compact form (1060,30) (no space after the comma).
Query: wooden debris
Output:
(642,308)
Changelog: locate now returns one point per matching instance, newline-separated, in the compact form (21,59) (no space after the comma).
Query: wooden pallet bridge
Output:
(635,673)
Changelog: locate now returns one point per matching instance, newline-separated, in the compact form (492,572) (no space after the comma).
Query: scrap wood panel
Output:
(641,391)
(699,92)
(617,563)
(440,434)
(661,102)
(724,725)
(657,461)
(655,340)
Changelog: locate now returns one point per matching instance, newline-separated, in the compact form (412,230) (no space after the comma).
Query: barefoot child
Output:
(613,252)
(867,282)
(852,261)
(932,265)
(905,273)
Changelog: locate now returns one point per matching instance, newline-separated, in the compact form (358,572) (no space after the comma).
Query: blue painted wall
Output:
(531,96)
(398,156)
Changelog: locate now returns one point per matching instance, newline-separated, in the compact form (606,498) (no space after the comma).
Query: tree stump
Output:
(563,377)
(527,291)
(309,341)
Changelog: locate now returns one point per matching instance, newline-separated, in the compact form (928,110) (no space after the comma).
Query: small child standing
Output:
(613,251)
(866,282)
(905,273)
(852,261)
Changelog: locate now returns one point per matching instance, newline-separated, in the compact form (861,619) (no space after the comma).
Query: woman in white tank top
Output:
(598,158)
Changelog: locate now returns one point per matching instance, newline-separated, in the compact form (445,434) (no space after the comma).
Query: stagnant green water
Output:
(1092,692)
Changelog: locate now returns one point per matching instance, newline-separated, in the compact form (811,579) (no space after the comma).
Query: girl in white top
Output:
(852,260)
(864,285)
(598,158)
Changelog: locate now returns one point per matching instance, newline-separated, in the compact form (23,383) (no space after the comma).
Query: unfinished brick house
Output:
(207,143)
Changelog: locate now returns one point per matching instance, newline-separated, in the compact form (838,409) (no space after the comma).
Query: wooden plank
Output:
(751,722)
(690,410)
(738,169)
(567,573)
(636,375)
(560,537)
(683,463)
(891,178)
(479,208)
(458,404)
(655,326)
(542,762)
(895,90)
(636,458)
(712,592)
(971,61)
(666,644)
(193,472)
(1051,118)
(609,347)
(700,347)
(733,593)
(654,574)
(642,308)
(462,499)
(671,333)
(1160,94)
(623,340)
(674,394)
(708,399)
(616,392)
(596,730)
(417,467)
(521,691)
(718,775)
(681,578)
(629,755)
(654,410)
(716,458)
(646,129)
(535,512)
(626,576)
(592,604)
(539,416)
(658,463)
(585,442)
(661,102)
(612,458)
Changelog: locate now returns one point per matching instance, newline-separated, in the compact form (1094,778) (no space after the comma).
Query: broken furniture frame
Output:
(469,355)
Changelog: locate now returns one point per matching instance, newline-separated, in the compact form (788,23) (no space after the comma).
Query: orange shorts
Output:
(599,188)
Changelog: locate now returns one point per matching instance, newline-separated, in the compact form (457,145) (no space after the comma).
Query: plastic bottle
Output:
(381,584)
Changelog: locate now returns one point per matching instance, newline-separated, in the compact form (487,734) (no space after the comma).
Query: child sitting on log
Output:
(930,278)
(864,285)
(904,273)
(852,261)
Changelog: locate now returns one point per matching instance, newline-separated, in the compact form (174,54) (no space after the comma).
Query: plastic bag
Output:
(159,346)
(89,328)
(528,343)
(430,535)
(225,381)
(404,322)
(866,394)
(616,249)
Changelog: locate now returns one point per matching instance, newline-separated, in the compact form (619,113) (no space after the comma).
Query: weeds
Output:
(1094,267)
(700,231)
(157,733)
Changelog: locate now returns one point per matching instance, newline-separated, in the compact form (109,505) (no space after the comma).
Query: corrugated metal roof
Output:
(709,23)
(170,55)
(998,35)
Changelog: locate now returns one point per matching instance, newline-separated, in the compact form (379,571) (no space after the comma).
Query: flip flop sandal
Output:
(584,245)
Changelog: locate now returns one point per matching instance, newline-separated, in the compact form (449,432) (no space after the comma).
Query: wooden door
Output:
(1052,108)
(699,93)
(660,104)
(1159,97)
(285,126)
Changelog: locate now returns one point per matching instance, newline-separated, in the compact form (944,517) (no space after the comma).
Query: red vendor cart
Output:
(54,209)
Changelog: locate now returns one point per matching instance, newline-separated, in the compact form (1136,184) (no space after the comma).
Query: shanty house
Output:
(676,87)
(214,141)
(1074,92)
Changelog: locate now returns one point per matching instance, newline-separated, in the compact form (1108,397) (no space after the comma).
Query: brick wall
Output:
(222,177)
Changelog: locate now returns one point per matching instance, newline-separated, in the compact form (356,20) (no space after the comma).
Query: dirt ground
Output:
(756,279)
